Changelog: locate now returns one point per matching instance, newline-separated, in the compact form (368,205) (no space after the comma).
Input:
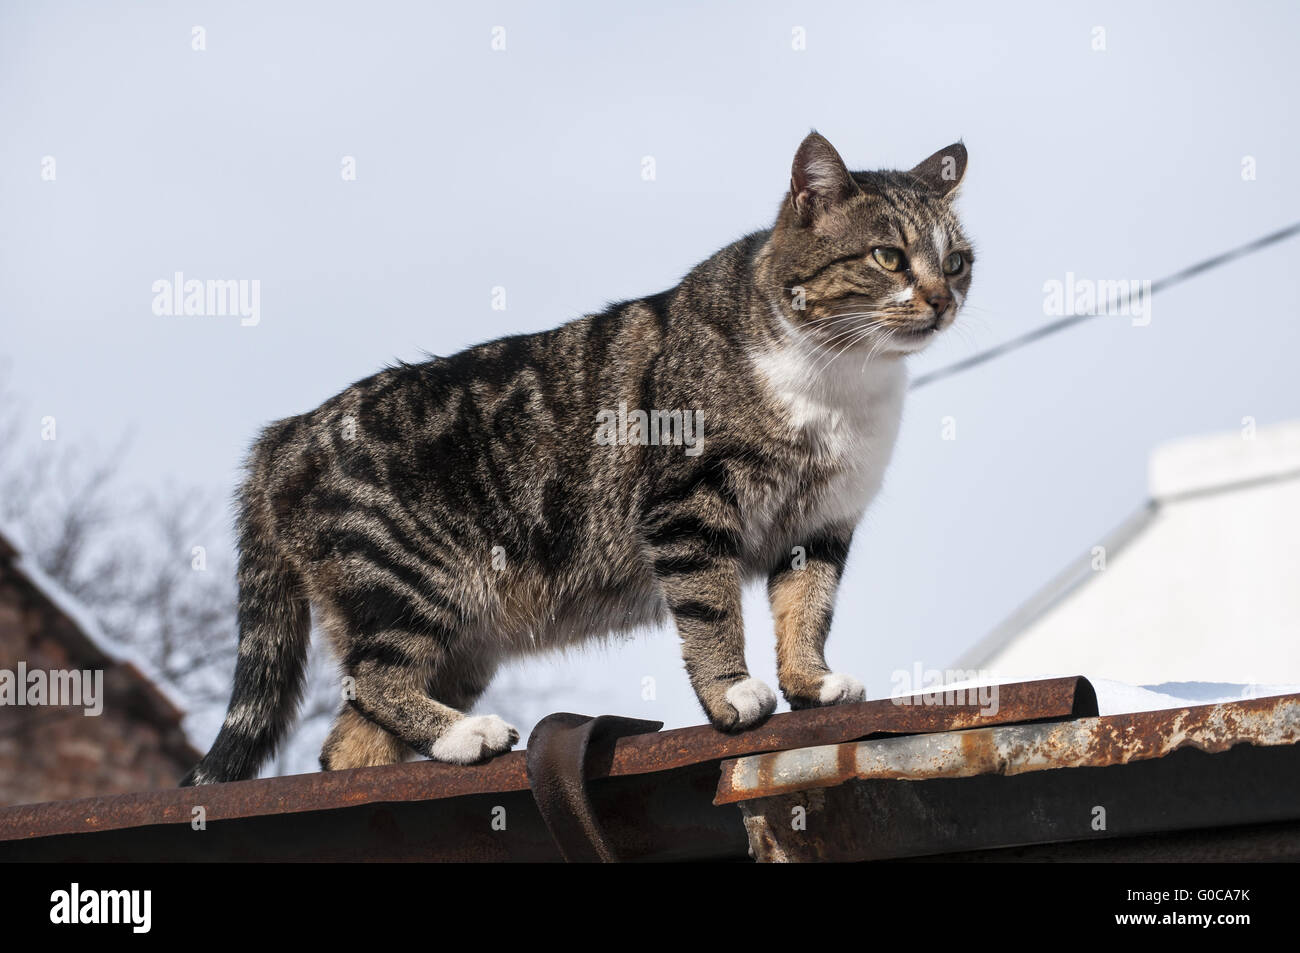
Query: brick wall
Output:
(49,753)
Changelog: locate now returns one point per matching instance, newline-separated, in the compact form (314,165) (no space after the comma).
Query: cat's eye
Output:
(890,259)
(952,264)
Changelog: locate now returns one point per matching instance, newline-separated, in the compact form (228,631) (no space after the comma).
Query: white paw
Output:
(841,689)
(752,700)
(473,739)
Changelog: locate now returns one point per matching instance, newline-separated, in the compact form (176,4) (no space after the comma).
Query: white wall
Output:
(1209,590)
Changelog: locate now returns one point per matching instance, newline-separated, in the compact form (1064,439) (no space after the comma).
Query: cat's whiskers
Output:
(887,336)
(966,334)
(854,335)
(854,339)
(845,314)
(979,321)
(840,316)
(829,348)
(853,343)
(858,326)
(824,346)
(842,319)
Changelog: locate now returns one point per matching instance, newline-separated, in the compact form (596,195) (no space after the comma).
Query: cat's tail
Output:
(274,632)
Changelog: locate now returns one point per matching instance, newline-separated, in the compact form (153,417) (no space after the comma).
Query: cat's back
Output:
(501,428)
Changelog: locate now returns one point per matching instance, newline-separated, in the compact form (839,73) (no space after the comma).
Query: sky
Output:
(1110,141)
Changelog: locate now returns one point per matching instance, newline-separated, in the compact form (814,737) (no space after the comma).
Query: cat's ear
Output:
(819,179)
(943,171)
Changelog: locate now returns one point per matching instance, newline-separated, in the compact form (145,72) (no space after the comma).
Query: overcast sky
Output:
(522,168)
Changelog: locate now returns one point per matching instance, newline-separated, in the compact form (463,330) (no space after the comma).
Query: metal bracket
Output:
(557,774)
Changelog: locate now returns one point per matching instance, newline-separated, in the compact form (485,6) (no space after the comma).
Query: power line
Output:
(983,357)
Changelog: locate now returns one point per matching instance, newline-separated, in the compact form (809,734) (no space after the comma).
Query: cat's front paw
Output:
(748,702)
(833,689)
(473,739)
(837,689)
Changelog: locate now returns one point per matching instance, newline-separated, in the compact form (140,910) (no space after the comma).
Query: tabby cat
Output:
(628,467)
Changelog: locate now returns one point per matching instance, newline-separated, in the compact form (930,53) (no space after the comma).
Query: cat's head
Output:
(870,259)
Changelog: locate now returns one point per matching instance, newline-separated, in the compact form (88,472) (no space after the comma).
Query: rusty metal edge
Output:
(1045,699)
(1016,749)
(557,754)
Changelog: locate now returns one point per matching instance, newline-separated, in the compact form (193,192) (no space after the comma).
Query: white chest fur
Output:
(849,412)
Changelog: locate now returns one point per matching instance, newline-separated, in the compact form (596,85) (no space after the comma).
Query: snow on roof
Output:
(1120,698)
(1224,460)
(68,605)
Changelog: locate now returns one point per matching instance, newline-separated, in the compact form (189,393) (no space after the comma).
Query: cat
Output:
(539,490)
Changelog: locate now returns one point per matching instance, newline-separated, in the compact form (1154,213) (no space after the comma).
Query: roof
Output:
(887,778)
(86,640)
(1133,777)
(585,789)
(1222,462)
(1195,585)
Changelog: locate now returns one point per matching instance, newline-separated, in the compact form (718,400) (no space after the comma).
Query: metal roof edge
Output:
(1015,749)
(629,755)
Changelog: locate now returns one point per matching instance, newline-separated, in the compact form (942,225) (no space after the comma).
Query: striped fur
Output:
(445,516)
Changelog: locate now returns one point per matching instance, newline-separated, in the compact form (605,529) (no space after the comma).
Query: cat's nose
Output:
(939,300)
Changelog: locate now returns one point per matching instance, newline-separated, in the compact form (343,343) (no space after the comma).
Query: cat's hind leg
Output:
(356,742)
(394,671)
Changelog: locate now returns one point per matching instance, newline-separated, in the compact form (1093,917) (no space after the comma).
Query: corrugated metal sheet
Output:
(1088,778)
(666,778)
